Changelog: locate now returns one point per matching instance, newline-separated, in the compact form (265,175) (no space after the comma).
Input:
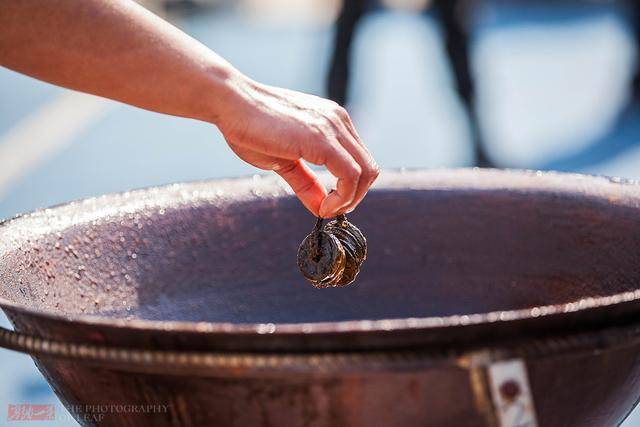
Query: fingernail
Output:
(322,212)
(328,206)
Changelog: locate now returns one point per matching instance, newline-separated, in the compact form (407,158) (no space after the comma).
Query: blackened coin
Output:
(351,264)
(341,226)
(332,255)
(345,236)
(321,258)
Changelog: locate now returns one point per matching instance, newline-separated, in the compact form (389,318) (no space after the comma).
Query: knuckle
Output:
(354,172)
(367,175)
(333,105)
(371,171)
(342,113)
(375,171)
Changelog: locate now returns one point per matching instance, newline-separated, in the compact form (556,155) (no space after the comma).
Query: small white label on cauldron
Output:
(511,394)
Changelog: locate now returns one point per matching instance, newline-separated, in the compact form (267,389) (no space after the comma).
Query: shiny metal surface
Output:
(518,264)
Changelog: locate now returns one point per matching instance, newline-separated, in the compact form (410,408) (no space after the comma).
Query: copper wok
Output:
(485,294)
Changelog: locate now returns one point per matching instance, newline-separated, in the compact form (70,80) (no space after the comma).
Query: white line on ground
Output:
(45,132)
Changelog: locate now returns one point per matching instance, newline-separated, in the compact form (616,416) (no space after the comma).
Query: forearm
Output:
(115,49)
(119,50)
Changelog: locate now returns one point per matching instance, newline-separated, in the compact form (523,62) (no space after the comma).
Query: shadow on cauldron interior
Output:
(431,253)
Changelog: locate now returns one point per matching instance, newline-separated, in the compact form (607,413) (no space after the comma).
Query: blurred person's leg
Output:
(454,16)
(606,150)
(635,22)
(345,27)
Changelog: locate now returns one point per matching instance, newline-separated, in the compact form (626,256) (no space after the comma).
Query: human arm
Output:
(119,50)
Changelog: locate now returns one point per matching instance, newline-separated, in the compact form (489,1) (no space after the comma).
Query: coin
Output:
(342,222)
(347,232)
(332,254)
(351,264)
(321,258)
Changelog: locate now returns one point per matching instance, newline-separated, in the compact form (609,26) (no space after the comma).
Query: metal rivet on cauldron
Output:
(509,390)
(332,255)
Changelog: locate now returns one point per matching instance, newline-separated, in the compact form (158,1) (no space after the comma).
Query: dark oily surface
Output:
(543,267)
(332,254)
(455,258)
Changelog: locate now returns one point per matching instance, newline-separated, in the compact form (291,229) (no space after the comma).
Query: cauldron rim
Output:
(588,311)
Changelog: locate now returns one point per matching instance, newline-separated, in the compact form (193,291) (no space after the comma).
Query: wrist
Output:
(228,92)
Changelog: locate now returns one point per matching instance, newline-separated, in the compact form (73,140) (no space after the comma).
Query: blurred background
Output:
(440,83)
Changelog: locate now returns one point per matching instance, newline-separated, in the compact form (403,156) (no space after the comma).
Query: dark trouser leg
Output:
(453,16)
(634,8)
(338,79)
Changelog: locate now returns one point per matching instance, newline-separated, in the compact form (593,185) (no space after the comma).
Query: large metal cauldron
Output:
(484,291)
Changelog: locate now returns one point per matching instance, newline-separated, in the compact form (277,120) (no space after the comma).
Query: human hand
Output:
(278,129)
(165,70)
